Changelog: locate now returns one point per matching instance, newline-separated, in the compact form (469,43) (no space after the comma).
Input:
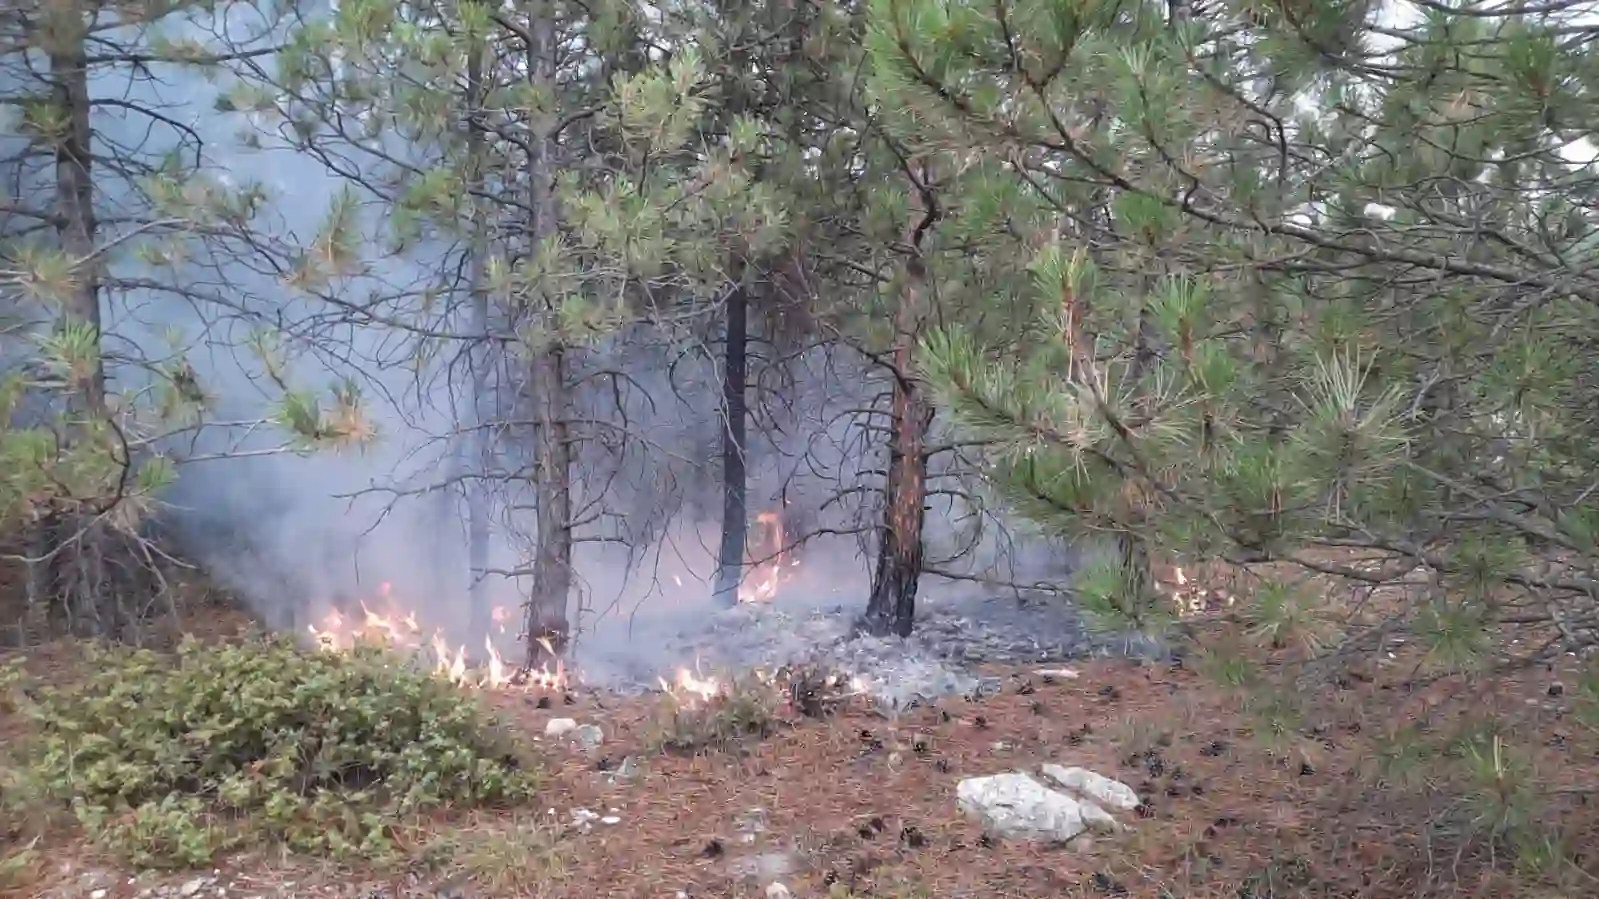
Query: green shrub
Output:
(170,759)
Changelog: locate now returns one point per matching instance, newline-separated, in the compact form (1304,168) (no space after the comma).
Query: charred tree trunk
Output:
(891,609)
(735,355)
(547,628)
(735,492)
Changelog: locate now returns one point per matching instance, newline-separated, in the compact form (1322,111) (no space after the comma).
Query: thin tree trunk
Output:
(547,629)
(1132,551)
(77,227)
(735,411)
(474,485)
(735,494)
(70,572)
(892,605)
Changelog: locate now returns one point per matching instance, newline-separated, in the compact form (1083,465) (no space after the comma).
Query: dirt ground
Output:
(1238,804)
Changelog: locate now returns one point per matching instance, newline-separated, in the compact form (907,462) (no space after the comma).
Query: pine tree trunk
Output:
(891,608)
(735,367)
(735,494)
(69,572)
(547,629)
(77,226)
(474,484)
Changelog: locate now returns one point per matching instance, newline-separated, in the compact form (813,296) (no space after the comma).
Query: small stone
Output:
(97,894)
(778,891)
(610,819)
(588,736)
(559,726)
(192,888)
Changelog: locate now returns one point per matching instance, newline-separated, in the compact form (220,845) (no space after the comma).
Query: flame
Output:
(402,630)
(1196,599)
(692,685)
(761,583)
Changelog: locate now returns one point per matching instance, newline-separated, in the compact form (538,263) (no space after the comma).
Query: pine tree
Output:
(1322,290)
(576,181)
(100,227)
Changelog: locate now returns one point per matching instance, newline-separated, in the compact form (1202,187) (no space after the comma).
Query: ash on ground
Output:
(953,635)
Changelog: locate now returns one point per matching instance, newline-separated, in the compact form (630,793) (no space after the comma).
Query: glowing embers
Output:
(400,629)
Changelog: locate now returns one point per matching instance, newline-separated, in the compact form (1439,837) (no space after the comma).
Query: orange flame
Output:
(692,685)
(761,584)
(402,630)
(1192,599)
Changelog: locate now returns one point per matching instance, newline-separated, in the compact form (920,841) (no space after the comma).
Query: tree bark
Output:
(77,228)
(735,493)
(69,572)
(473,484)
(891,608)
(547,628)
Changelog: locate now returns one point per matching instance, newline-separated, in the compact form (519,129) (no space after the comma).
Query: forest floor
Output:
(861,804)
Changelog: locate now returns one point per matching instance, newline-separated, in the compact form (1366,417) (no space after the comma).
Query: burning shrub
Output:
(170,760)
(688,721)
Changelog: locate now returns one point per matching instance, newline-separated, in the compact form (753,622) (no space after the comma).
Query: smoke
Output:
(295,533)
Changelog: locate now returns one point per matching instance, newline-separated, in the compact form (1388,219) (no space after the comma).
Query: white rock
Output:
(778,891)
(1099,820)
(1016,805)
(192,888)
(558,726)
(97,894)
(610,819)
(1093,786)
(1066,673)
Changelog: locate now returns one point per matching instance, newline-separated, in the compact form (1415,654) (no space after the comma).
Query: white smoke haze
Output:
(295,534)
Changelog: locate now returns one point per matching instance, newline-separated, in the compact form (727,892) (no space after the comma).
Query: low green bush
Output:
(169,759)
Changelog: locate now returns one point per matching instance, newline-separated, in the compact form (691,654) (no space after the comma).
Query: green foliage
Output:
(1238,375)
(172,759)
(1316,292)
(661,220)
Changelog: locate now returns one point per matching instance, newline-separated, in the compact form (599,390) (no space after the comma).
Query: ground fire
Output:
(400,629)
(387,621)
(384,621)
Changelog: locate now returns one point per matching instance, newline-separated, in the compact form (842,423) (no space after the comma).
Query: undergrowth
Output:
(19,832)
(742,712)
(168,759)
